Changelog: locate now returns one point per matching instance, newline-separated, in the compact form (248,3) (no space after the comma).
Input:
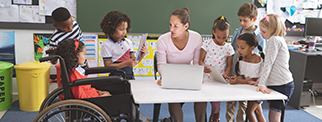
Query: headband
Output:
(266,17)
(76,44)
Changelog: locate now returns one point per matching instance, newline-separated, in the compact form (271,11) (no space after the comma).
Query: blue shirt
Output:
(261,41)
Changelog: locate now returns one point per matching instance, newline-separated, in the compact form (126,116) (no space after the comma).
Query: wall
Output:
(152,16)
(24,48)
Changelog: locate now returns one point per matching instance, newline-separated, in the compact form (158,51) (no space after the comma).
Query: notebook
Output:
(215,74)
(142,41)
(182,76)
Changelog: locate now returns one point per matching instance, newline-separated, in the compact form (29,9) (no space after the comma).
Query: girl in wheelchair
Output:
(73,52)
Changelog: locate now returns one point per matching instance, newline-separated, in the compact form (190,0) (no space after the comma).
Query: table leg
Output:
(156,112)
(283,111)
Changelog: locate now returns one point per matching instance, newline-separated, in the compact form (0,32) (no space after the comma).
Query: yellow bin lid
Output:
(33,65)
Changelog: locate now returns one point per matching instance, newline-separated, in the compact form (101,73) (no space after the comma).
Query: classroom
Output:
(27,28)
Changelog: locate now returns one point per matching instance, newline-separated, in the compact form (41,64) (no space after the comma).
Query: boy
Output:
(247,15)
(65,27)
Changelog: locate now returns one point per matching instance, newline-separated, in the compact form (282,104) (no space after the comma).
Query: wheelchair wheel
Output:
(50,99)
(72,111)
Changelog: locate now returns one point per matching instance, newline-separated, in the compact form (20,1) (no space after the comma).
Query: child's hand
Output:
(263,89)
(255,83)
(225,76)
(131,62)
(233,80)
(104,93)
(144,50)
(159,82)
(206,70)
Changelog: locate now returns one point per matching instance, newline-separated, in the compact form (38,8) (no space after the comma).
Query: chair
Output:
(157,106)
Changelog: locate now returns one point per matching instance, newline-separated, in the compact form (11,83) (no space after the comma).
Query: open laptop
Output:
(215,74)
(182,76)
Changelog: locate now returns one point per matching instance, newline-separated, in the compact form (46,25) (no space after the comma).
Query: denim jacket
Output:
(261,41)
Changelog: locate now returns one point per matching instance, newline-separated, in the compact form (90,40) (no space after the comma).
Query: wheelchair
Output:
(118,107)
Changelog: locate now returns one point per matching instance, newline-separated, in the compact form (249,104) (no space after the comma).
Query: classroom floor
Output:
(314,110)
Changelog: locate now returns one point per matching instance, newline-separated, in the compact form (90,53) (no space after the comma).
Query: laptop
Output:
(215,74)
(182,76)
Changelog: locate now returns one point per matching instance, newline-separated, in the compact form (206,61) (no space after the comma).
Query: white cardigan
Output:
(276,71)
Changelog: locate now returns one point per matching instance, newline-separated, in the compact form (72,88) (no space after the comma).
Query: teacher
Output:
(180,46)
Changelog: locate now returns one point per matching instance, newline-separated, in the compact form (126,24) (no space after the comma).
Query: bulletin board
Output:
(31,14)
(293,12)
(145,67)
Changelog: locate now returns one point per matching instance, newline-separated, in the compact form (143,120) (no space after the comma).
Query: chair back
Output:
(155,65)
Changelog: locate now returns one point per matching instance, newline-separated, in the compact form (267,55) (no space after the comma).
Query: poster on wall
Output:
(145,67)
(41,44)
(46,7)
(7,47)
(90,40)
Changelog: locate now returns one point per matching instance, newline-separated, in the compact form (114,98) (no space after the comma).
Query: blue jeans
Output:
(286,89)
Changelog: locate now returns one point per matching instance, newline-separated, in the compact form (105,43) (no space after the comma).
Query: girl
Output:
(180,46)
(73,52)
(247,69)
(118,51)
(217,53)
(275,73)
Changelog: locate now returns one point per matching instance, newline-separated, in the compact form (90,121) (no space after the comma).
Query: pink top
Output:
(167,52)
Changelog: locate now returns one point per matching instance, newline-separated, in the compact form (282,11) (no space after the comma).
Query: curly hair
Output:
(66,49)
(111,20)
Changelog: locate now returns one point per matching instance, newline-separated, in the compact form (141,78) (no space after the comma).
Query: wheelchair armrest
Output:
(97,80)
(113,84)
(96,70)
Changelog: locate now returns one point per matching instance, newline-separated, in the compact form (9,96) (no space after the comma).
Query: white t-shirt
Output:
(217,55)
(250,70)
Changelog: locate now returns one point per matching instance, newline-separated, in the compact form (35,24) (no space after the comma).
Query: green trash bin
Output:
(5,85)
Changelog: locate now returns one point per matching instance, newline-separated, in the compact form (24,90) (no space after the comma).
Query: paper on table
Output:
(142,41)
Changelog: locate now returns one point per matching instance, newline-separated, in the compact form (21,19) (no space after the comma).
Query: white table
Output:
(147,91)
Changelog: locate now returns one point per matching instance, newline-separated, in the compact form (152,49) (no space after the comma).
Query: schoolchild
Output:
(117,50)
(275,74)
(247,15)
(74,54)
(217,53)
(66,27)
(248,71)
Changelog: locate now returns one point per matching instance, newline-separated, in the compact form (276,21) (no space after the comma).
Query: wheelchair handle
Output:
(48,58)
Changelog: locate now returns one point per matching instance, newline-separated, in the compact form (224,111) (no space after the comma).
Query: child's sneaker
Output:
(214,117)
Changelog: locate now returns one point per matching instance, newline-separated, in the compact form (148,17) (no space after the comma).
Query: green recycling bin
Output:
(5,85)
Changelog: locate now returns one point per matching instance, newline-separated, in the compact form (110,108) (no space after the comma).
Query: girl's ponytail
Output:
(261,51)
(237,65)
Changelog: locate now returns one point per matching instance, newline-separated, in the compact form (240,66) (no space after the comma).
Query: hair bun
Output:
(186,9)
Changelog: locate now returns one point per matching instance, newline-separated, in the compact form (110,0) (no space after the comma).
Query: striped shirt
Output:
(60,35)
(275,71)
